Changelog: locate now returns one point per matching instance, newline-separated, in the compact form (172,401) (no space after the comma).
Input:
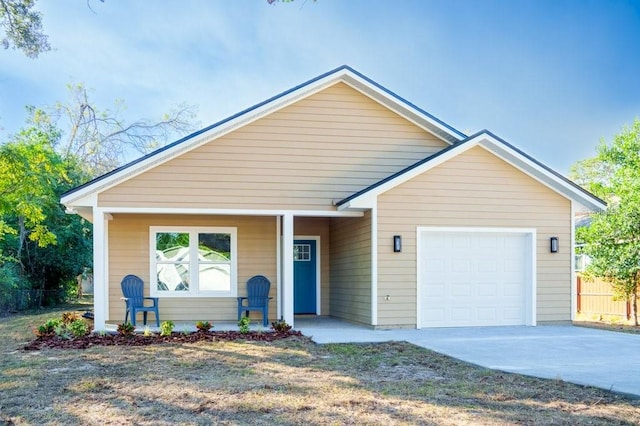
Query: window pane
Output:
(302,252)
(214,247)
(172,246)
(215,277)
(173,277)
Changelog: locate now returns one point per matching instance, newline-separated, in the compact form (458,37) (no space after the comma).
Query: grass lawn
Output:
(291,381)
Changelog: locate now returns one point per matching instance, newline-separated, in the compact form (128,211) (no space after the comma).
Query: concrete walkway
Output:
(603,359)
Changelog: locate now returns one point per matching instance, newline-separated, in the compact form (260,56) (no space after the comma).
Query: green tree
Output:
(612,240)
(48,247)
(29,171)
(23,27)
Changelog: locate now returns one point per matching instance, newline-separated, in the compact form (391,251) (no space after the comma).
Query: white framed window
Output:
(302,252)
(193,261)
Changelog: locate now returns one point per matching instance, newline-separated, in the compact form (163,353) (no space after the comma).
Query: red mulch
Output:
(54,342)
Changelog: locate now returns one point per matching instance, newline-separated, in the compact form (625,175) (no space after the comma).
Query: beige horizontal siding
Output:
(129,254)
(320,149)
(351,269)
(474,189)
(313,226)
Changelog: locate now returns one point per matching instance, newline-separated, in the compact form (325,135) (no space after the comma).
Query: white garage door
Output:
(475,278)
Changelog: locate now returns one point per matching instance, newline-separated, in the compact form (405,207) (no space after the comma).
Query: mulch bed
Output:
(90,340)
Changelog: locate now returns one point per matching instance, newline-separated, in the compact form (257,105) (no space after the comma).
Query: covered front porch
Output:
(274,244)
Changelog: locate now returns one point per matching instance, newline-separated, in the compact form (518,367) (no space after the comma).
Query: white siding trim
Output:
(287,268)
(107,265)
(100,290)
(230,212)
(572,248)
(278,267)
(531,280)
(315,238)
(374,266)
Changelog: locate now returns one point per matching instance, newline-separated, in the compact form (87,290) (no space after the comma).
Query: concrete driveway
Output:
(603,359)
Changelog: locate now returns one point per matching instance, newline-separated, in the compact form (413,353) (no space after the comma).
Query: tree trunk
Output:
(634,305)
(22,237)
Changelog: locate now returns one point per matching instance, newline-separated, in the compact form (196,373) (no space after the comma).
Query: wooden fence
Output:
(596,298)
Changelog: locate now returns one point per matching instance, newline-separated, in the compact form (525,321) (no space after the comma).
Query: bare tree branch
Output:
(102,140)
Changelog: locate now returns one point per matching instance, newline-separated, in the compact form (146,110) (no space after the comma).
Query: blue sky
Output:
(552,77)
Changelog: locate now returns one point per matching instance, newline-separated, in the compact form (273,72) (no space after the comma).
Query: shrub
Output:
(70,317)
(243,324)
(147,331)
(48,328)
(62,331)
(166,328)
(280,326)
(78,328)
(126,329)
(203,326)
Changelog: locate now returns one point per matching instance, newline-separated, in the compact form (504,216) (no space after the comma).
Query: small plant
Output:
(48,328)
(203,326)
(126,329)
(243,325)
(69,317)
(147,331)
(280,326)
(62,332)
(166,328)
(78,328)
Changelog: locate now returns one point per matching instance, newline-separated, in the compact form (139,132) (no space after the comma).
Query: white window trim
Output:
(193,288)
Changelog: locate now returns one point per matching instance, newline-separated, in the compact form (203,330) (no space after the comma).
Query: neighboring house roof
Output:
(494,144)
(344,74)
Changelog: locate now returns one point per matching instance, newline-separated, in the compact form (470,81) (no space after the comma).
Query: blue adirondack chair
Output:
(257,298)
(133,291)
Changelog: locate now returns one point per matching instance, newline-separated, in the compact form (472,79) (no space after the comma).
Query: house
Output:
(354,202)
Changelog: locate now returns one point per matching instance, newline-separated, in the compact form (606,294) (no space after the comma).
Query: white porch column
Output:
(287,268)
(100,283)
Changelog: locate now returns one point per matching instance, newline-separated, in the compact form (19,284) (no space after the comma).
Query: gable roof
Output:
(494,144)
(344,74)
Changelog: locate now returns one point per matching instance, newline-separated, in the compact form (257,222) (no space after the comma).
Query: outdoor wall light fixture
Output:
(553,244)
(397,243)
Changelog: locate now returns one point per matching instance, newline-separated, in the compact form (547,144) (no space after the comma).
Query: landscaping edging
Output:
(55,342)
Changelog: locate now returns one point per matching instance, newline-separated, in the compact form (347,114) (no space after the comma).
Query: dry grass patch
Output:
(291,381)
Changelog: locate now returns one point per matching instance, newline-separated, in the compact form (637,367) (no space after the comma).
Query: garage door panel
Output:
(461,290)
(487,314)
(487,266)
(460,266)
(486,289)
(462,314)
(473,278)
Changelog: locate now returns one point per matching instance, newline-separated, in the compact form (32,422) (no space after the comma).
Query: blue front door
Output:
(304,277)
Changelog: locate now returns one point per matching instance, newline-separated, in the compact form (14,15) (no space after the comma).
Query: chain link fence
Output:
(19,300)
